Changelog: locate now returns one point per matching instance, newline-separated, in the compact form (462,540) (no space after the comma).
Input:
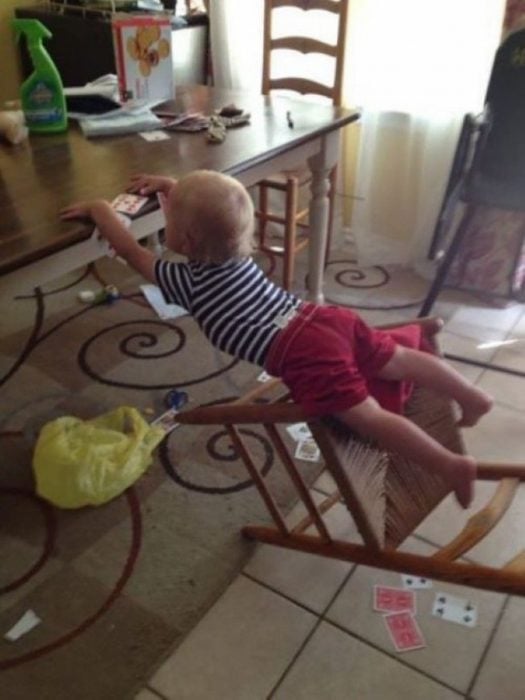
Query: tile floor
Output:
(297,626)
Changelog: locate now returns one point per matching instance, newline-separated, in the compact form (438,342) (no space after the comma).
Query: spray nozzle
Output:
(33,30)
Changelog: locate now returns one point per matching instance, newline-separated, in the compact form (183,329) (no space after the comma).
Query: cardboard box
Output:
(143,56)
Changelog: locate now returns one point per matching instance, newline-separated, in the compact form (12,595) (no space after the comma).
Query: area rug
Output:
(116,587)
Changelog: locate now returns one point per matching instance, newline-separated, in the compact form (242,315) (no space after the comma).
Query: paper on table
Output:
(155,298)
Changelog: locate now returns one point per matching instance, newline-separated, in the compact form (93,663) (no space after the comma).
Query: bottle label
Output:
(40,108)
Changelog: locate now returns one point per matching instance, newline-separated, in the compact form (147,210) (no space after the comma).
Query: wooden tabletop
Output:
(48,172)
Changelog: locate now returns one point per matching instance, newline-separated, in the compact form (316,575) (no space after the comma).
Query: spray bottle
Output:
(42,94)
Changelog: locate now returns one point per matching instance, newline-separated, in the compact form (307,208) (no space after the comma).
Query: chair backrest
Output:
(387,496)
(273,43)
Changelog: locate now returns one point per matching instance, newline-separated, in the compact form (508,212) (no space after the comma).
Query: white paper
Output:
(23,626)
(155,298)
(155,135)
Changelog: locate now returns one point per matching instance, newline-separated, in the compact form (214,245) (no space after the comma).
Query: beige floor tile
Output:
(336,666)
(506,389)
(452,652)
(499,546)
(239,649)
(307,578)
(503,671)
(480,348)
(483,316)
(499,434)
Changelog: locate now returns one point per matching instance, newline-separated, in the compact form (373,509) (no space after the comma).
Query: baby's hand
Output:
(144,184)
(84,210)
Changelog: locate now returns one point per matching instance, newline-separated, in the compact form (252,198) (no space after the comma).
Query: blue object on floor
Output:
(176,399)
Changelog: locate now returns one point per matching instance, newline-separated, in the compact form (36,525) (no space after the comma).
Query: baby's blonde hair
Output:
(214,212)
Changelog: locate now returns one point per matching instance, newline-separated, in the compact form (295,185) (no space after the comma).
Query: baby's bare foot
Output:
(472,409)
(461,475)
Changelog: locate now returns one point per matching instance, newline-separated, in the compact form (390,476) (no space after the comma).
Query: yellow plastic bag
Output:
(85,463)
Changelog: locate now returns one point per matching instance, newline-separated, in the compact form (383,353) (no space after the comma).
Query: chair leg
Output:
(331,213)
(263,214)
(443,268)
(290,230)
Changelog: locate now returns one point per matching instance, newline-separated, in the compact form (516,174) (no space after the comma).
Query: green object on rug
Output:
(87,463)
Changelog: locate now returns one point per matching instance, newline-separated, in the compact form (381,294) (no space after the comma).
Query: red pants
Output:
(329,359)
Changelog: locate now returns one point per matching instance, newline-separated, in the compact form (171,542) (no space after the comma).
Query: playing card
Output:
(404,631)
(390,599)
(264,377)
(128,203)
(299,431)
(454,609)
(308,450)
(155,135)
(414,582)
(166,421)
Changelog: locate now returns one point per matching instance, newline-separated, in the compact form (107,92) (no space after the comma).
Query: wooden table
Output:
(48,172)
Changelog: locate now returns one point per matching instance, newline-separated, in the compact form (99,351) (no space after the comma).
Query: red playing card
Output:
(404,631)
(389,599)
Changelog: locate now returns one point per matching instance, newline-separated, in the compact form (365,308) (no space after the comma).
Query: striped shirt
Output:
(235,304)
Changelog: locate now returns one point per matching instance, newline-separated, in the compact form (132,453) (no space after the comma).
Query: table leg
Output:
(320,166)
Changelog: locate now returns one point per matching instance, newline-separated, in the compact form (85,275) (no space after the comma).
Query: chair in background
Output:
(289,183)
(488,177)
(387,496)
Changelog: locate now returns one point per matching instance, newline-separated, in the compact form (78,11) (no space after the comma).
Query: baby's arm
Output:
(113,230)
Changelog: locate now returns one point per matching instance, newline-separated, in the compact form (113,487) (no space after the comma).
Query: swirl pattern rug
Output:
(117,587)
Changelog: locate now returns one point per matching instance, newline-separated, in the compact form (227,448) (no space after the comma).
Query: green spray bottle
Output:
(42,94)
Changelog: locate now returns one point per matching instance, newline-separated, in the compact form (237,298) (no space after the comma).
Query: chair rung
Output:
(276,218)
(322,507)
(279,250)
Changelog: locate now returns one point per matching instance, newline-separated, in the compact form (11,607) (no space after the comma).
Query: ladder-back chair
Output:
(289,183)
(386,495)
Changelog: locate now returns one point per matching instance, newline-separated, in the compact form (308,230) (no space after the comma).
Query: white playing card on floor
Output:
(299,431)
(307,450)
(415,582)
(454,609)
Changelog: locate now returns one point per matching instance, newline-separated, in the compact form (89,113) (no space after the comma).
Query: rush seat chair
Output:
(289,183)
(386,495)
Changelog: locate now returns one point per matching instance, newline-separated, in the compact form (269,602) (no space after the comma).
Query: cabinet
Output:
(82,46)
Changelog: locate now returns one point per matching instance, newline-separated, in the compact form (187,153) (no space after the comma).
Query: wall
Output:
(9,60)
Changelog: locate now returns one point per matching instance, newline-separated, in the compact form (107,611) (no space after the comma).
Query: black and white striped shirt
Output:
(235,304)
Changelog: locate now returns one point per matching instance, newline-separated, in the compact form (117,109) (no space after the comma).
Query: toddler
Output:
(332,362)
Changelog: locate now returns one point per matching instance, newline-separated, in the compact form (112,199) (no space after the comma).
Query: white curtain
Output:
(236,40)
(415,67)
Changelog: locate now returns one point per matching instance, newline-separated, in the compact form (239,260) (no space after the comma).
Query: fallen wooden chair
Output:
(387,496)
